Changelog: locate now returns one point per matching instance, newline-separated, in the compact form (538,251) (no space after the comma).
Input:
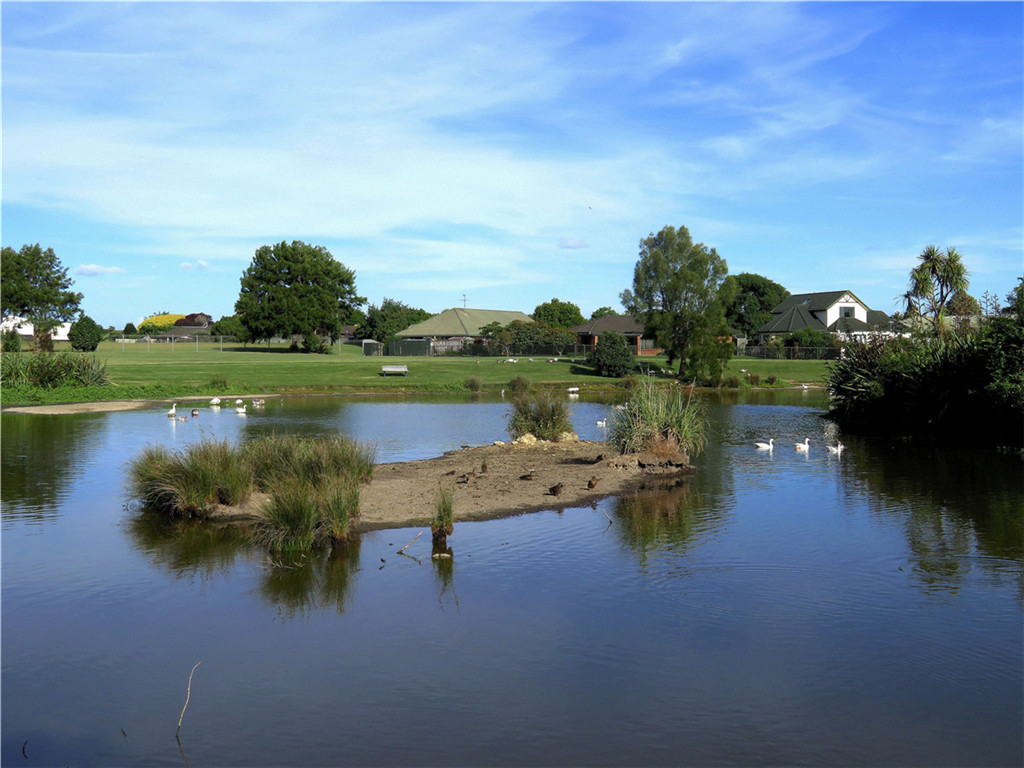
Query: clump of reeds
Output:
(659,421)
(189,481)
(310,459)
(754,379)
(443,522)
(540,414)
(519,385)
(474,384)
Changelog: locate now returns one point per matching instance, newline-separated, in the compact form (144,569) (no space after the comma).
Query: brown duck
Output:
(556,490)
(592,482)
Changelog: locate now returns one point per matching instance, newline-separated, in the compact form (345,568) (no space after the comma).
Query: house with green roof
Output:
(838,312)
(450,330)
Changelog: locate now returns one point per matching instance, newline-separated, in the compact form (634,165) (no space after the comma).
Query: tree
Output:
(755,298)
(295,289)
(937,278)
(613,355)
(229,325)
(85,334)
(558,314)
(679,296)
(129,328)
(35,286)
(962,304)
(383,322)
(600,312)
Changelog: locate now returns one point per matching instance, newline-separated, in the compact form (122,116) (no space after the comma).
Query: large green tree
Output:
(35,286)
(602,312)
(937,278)
(754,298)
(679,296)
(383,322)
(558,314)
(295,289)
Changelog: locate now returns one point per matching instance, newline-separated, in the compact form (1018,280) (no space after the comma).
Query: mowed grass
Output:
(181,371)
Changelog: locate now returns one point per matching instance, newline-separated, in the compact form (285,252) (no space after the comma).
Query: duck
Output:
(602,422)
(837,448)
(240,410)
(173,412)
(804,446)
(592,482)
(182,418)
(195,412)
(769,446)
(215,401)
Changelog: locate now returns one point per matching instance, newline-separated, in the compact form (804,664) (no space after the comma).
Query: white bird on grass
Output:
(173,412)
(769,446)
(804,446)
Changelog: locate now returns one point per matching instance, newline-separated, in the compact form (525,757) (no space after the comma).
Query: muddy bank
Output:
(496,481)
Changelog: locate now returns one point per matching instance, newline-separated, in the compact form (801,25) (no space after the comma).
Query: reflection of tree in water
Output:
(302,583)
(673,516)
(957,505)
(188,547)
(40,457)
(443,559)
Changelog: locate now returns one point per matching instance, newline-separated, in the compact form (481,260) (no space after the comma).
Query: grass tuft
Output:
(659,421)
(443,522)
(540,414)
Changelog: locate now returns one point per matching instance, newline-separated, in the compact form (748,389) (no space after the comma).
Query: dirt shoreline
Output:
(404,494)
(112,406)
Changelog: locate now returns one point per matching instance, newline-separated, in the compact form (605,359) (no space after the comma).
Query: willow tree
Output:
(294,289)
(938,277)
(679,294)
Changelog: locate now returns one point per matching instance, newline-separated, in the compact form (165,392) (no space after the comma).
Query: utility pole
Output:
(463,301)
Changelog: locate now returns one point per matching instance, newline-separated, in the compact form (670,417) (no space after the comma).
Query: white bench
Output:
(396,369)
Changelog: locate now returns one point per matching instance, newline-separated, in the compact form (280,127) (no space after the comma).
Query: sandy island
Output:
(404,494)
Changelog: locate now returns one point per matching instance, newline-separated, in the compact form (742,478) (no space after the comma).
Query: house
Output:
(838,312)
(26,330)
(589,332)
(449,330)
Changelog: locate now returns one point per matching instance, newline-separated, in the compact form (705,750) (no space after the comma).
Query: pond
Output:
(772,609)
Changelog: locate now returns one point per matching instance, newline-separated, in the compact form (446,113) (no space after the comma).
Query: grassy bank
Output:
(164,371)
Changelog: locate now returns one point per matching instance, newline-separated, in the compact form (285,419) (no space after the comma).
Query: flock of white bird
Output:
(215,404)
(804,447)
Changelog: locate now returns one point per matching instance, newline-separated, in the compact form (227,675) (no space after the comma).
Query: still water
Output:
(773,609)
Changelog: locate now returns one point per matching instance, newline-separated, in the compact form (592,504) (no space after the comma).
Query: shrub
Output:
(659,421)
(11,341)
(772,380)
(159,323)
(754,379)
(613,356)
(541,415)
(731,382)
(312,342)
(443,522)
(85,335)
(51,371)
(44,343)
(520,385)
(474,384)
(129,329)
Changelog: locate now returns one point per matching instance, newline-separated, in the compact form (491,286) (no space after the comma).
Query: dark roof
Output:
(815,302)
(849,325)
(624,324)
(793,319)
(460,321)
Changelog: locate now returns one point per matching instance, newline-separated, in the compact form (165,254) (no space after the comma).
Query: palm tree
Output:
(938,277)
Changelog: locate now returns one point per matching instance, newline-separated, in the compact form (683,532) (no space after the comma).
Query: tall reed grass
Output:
(659,421)
(540,414)
(443,522)
(52,370)
(190,481)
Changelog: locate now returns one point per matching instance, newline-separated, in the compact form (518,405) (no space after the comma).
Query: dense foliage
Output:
(34,286)
(964,384)
(129,328)
(558,314)
(383,322)
(614,355)
(85,334)
(659,421)
(521,337)
(48,371)
(679,294)
(161,323)
(295,289)
(541,414)
(229,325)
(602,312)
(752,301)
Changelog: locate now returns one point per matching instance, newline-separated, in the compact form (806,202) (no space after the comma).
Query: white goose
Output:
(602,423)
(769,446)
(215,401)
(837,448)
(240,410)
(173,412)
(804,446)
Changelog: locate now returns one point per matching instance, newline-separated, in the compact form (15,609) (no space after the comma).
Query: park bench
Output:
(402,369)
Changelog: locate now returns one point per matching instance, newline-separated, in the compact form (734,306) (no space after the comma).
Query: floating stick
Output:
(188,695)
(410,543)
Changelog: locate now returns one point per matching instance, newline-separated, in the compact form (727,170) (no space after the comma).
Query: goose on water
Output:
(195,412)
(173,412)
(837,448)
(240,410)
(770,445)
(602,422)
(215,401)
(804,446)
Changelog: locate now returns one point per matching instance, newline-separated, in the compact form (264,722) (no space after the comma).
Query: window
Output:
(846,311)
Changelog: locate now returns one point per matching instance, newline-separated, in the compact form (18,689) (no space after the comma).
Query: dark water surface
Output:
(779,609)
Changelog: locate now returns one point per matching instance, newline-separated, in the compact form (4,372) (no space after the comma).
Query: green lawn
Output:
(160,370)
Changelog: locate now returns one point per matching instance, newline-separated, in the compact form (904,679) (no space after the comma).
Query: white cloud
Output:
(95,270)
(571,243)
(186,265)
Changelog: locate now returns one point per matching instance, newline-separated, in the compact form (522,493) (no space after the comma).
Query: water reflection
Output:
(301,584)
(40,458)
(673,515)
(442,558)
(186,548)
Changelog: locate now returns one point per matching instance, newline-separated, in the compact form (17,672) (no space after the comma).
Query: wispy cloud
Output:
(95,270)
(571,243)
(187,265)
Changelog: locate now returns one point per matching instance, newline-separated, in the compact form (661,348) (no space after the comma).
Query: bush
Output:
(613,355)
(159,323)
(85,335)
(443,522)
(129,329)
(44,343)
(312,342)
(754,379)
(541,415)
(49,371)
(659,421)
(11,341)
(520,385)
(474,384)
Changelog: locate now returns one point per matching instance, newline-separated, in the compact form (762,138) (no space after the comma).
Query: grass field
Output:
(163,371)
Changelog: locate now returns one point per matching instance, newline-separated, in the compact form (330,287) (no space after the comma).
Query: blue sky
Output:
(509,152)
